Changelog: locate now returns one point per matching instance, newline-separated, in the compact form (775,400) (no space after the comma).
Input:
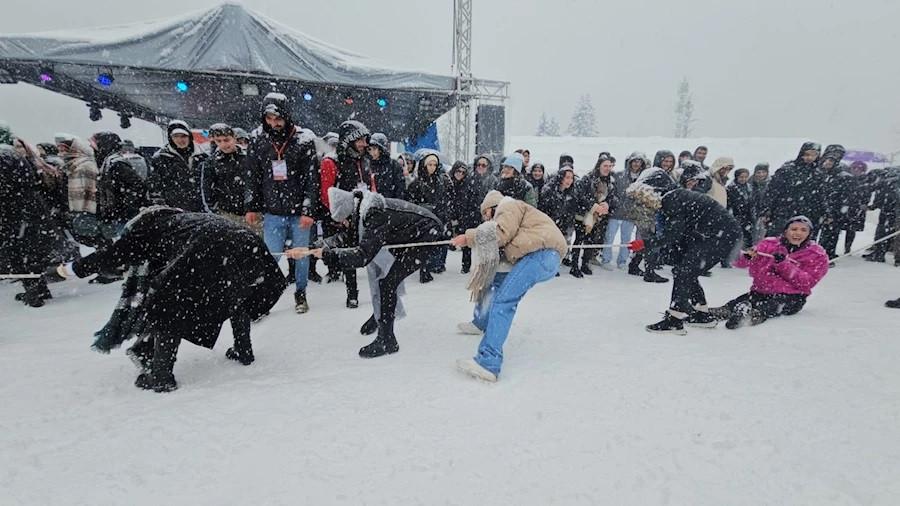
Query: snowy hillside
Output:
(589,409)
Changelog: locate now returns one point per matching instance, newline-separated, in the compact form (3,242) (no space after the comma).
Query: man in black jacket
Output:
(282,182)
(387,172)
(383,222)
(697,233)
(121,193)
(225,177)
(836,183)
(796,189)
(175,171)
(189,273)
(595,197)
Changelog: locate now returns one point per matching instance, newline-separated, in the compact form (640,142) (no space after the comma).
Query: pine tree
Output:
(542,127)
(553,128)
(684,111)
(584,120)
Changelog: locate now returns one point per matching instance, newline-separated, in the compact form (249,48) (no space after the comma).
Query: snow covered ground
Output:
(590,409)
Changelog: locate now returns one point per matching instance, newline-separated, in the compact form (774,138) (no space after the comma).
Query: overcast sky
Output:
(820,69)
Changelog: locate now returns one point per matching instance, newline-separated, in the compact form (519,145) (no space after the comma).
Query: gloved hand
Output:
(636,245)
(54,274)
(779,257)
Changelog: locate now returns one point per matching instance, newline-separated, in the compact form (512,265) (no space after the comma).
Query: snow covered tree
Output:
(543,125)
(684,111)
(553,128)
(584,120)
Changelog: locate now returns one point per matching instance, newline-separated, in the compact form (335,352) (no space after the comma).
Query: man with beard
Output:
(346,169)
(796,189)
(371,222)
(696,234)
(225,177)
(282,183)
(176,171)
(189,272)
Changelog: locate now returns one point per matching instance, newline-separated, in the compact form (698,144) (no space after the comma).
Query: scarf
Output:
(487,260)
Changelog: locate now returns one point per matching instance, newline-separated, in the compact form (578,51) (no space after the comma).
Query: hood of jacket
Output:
(107,144)
(662,155)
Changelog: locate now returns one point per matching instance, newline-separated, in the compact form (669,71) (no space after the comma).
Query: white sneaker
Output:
(471,367)
(469,328)
(622,267)
(606,267)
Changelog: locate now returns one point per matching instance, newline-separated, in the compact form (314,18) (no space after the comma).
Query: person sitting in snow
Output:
(189,272)
(516,248)
(696,234)
(380,222)
(784,270)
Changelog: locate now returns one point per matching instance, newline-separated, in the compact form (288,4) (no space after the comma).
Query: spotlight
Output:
(348,100)
(382,103)
(105,79)
(46,75)
(124,120)
(250,89)
(182,86)
(307,96)
(95,113)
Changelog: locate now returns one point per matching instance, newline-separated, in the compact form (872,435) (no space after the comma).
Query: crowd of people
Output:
(343,197)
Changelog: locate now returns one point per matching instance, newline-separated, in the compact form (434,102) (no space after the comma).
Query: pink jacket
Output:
(798,273)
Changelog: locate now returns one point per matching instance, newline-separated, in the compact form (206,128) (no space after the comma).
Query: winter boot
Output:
(874,257)
(147,381)
(575,271)
(720,313)
(634,269)
(586,269)
(567,261)
(141,354)
(370,327)
(701,319)
(384,344)
(893,304)
(707,274)
(300,304)
(40,291)
(425,277)
(314,276)
(105,279)
(245,357)
(474,369)
(465,270)
(740,316)
(668,325)
(440,270)
(333,276)
(652,277)
(353,300)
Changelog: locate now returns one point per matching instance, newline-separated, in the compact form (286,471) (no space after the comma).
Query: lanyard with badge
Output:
(279,166)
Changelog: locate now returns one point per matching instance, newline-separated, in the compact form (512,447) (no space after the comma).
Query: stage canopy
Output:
(217,65)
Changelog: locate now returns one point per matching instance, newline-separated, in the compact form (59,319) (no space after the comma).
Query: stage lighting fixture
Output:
(105,79)
(46,74)
(382,103)
(348,100)
(182,86)
(307,96)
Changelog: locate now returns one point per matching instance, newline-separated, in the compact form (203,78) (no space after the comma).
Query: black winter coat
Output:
(517,188)
(560,205)
(759,189)
(692,222)
(388,175)
(465,207)
(294,194)
(837,187)
(538,185)
(202,270)
(225,181)
(121,193)
(859,193)
(384,222)
(740,204)
(797,188)
(430,191)
(586,192)
(176,180)
(30,240)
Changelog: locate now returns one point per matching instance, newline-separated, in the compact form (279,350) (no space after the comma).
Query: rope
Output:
(20,276)
(885,238)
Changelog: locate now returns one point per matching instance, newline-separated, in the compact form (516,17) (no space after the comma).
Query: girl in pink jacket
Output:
(784,270)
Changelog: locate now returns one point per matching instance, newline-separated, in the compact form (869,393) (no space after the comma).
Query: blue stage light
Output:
(105,79)
(382,102)
(182,86)
(307,96)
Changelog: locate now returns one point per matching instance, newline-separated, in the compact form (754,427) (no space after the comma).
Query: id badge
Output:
(279,170)
(361,186)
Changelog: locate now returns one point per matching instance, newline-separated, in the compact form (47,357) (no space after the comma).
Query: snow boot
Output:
(384,344)
(245,358)
(575,271)
(141,354)
(893,304)
(469,328)
(474,369)
(147,381)
(41,292)
(300,304)
(333,276)
(701,319)
(465,270)
(586,269)
(314,276)
(370,327)
(635,270)
(425,277)
(668,325)
(707,274)
(105,279)
(567,261)
(440,270)
(652,277)
(353,300)
(721,313)
(740,316)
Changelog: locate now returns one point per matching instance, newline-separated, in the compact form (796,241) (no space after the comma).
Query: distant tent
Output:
(216,65)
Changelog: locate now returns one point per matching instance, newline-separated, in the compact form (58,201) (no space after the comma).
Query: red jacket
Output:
(355,172)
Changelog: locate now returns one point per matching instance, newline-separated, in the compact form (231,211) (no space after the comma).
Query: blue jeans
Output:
(627,228)
(494,314)
(279,229)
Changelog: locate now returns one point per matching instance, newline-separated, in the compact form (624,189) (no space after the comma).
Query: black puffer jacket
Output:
(464,204)
(225,181)
(388,175)
(517,188)
(430,191)
(121,193)
(797,188)
(560,205)
(383,222)
(176,174)
(595,189)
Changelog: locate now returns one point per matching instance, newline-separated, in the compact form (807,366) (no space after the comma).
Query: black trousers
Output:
(596,236)
(697,258)
(650,257)
(162,348)
(849,237)
(329,230)
(771,305)
(828,238)
(406,262)
(466,258)
(885,227)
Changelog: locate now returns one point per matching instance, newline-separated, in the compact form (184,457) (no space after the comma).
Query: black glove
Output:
(51,275)
(779,257)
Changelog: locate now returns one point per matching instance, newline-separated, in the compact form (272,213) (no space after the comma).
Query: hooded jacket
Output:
(798,273)
(225,181)
(595,189)
(559,204)
(121,193)
(838,184)
(537,184)
(388,176)
(797,188)
(430,190)
(623,179)
(176,175)
(522,230)
(464,201)
(717,189)
(293,191)
(346,168)
(486,182)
